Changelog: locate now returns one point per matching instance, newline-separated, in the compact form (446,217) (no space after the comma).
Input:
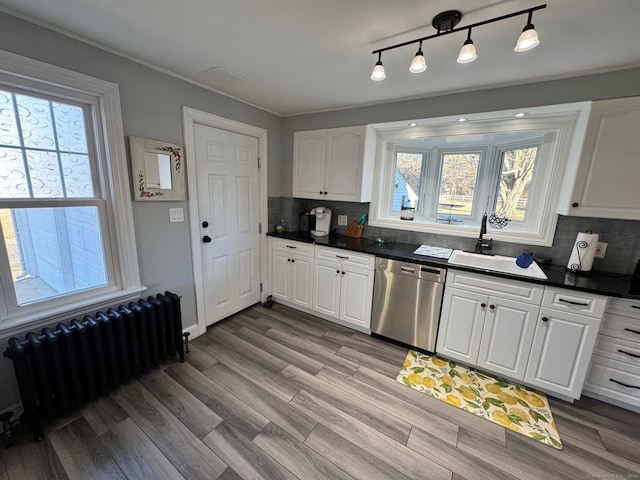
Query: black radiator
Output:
(62,369)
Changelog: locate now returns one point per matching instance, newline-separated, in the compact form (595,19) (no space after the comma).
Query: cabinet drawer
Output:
(624,306)
(345,257)
(606,377)
(622,327)
(292,246)
(574,301)
(489,285)
(618,349)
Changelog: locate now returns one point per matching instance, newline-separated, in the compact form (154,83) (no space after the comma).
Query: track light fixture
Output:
(445,24)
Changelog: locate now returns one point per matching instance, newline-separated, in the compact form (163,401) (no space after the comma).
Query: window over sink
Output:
(452,172)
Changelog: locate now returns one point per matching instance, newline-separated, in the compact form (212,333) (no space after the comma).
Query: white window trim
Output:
(567,122)
(20,71)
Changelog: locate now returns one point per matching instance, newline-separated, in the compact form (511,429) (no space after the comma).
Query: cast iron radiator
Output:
(62,369)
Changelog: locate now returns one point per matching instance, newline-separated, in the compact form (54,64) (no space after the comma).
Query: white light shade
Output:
(467,52)
(378,72)
(418,64)
(527,40)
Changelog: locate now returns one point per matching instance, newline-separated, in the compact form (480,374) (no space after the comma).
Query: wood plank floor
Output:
(278,394)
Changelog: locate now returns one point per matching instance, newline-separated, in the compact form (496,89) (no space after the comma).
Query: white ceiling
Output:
(300,56)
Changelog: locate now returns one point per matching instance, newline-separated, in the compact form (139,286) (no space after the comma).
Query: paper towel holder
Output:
(583,254)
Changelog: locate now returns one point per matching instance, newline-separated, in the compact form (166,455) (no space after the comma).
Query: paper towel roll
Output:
(583,252)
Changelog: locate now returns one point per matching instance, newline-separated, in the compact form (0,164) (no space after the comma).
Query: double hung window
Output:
(66,236)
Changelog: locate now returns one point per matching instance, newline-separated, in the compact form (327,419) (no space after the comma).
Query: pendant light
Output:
(468,51)
(378,71)
(528,39)
(418,64)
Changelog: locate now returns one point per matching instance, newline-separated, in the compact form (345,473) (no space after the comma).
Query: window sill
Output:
(33,321)
(470,230)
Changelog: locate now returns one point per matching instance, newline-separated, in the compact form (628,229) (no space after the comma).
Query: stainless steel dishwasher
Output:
(406,302)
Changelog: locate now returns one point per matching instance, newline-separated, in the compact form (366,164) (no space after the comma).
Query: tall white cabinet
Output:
(330,164)
(606,182)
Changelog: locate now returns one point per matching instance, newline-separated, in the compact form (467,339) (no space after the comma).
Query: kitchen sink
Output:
(496,263)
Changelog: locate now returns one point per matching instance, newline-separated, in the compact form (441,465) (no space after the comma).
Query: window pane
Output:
(53,251)
(44,151)
(515,178)
(407,178)
(458,183)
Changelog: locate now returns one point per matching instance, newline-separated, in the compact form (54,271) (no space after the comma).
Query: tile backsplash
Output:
(622,236)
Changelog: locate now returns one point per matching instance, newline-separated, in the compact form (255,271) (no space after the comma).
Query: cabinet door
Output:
(280,274)
(326,292)
(343,168)
(461,324)
(302,281)
(356,295)
(309,153)
(606,184)
(561,351)
(506,337)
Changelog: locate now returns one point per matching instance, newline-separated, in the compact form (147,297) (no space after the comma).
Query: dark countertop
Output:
(603,283)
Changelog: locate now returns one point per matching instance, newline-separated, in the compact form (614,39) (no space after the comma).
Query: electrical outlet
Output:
(601,249)
(342,220)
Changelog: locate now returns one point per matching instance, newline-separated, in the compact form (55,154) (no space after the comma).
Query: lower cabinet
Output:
(562,346)
(292,272)
(541,336)
(332,283)
(342,290)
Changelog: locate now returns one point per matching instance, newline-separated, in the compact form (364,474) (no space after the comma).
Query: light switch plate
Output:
(176,215)
(342,220)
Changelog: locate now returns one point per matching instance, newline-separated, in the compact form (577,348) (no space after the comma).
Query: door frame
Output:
(191,116)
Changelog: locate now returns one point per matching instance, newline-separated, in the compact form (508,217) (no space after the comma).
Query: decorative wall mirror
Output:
(158,170)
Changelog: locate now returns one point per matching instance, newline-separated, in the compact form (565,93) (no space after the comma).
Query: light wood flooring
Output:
(278,394)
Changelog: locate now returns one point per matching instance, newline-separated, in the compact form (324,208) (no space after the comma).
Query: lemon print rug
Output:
(515,407)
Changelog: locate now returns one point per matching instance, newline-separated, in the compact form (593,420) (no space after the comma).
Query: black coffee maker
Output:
(307,222)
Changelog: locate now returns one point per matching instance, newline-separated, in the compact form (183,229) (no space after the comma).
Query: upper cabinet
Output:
(608,178)
(329,165)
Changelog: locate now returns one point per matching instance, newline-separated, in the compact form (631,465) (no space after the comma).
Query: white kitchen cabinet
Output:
(507,336)
(606,182)
(614,374)
(329,164)
(543,336)
(344,286)
(292,272)
(461,323)
(562,346)
(488,331)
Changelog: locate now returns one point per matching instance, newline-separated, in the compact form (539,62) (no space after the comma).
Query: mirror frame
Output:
(141,191)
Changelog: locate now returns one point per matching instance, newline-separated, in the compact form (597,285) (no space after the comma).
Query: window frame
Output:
(106,134)
(562,129)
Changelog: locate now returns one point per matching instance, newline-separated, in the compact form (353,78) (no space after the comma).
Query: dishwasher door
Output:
(406,302)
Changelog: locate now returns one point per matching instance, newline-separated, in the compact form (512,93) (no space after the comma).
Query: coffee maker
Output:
(322,222)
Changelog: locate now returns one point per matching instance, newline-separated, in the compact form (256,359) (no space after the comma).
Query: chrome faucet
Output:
(483,244)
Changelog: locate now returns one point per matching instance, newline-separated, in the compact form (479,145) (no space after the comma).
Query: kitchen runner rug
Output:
(514,407)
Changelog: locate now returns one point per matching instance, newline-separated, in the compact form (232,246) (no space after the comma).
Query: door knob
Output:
(206,239)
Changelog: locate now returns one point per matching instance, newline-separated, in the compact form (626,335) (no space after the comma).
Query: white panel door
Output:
(309,150)
(506,337)
(227,172)
(326,292)
(343,169)
(302,281)
(355,296)
(561,351)
(461,323)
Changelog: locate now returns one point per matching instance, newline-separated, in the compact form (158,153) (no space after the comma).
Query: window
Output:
(454,173)
(66,236)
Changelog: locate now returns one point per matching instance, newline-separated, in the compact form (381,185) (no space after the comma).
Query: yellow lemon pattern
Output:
(514,407)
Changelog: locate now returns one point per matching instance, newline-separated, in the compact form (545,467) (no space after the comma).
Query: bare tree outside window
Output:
(458,182)
(515,178)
